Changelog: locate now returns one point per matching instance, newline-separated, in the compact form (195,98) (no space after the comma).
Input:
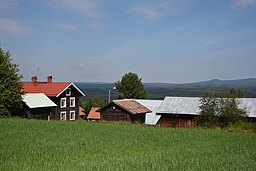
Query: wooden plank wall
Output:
(177,122)
(115,113)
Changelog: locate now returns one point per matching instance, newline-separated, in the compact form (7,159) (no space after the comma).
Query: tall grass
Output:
(42,145)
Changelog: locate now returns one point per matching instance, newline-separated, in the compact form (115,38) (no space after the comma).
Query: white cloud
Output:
(243,3)
(13,27)
(69,26)
(87,8)
(7,4)
(151,10)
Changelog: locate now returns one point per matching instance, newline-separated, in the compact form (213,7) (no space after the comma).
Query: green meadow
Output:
(55,145)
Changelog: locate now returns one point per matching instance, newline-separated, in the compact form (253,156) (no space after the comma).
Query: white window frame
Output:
(74,103)
(65,103)
(70,114)
(65,115)
(68,89)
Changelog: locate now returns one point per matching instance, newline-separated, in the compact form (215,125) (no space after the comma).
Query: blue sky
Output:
(175,41)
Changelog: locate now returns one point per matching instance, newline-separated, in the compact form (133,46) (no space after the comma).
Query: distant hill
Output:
(239,83)
(160,90)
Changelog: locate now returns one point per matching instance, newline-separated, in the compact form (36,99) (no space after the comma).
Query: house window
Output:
(68,91)
(72,101)
(63,116)
(72,115)
(62,102)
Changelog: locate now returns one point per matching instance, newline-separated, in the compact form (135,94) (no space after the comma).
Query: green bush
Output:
(221,109)
(3,111)
(244,127)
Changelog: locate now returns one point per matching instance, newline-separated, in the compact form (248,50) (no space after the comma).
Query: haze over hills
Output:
(238,83)
(160,90)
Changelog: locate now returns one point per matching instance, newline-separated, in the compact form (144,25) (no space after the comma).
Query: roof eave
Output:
(69,86)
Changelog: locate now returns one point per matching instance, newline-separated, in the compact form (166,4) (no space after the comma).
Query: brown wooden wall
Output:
(177,121)
(115,113)
(39,113)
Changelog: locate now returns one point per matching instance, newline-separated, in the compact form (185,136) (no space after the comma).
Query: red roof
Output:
(49,89)
(93,114)
(81,111)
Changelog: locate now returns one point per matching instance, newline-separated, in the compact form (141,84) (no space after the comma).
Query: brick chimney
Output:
(49,79)
(34,79)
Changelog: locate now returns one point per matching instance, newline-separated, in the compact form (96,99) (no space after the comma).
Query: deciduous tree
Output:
(221,109)
(10,85)
(93,102)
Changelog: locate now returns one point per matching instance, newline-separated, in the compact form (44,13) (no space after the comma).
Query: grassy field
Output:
(42,145)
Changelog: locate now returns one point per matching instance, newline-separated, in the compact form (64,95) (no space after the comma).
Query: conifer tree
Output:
(131,87)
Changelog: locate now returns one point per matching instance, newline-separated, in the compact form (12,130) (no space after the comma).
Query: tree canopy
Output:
(131,87)
(221,109)
(93,102)
(10,85)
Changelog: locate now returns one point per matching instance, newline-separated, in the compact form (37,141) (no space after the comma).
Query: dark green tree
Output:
(93,102)
(221,109)
(229,111)
(131,87)
(10,85)
(209,110)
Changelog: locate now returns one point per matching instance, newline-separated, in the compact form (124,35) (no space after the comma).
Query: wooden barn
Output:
(37,106)
(179,111)
(64,94)
(124,111)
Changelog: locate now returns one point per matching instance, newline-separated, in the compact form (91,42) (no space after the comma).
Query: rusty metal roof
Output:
(132,106)
(81,111)
(93,114)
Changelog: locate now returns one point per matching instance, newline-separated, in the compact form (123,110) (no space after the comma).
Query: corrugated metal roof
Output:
(153,105)
(132,106)
(37,100)
(190,105)
(249,104)
(180,105)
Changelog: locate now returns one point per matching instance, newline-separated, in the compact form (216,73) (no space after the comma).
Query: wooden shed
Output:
(93,115)
(124,111)
(37,105)
(179,111)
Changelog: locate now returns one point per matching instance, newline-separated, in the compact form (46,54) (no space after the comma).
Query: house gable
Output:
(64,94)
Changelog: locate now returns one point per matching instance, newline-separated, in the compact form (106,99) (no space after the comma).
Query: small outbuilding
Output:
(179,111)
(37,105)
(127,110)
(93,115)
